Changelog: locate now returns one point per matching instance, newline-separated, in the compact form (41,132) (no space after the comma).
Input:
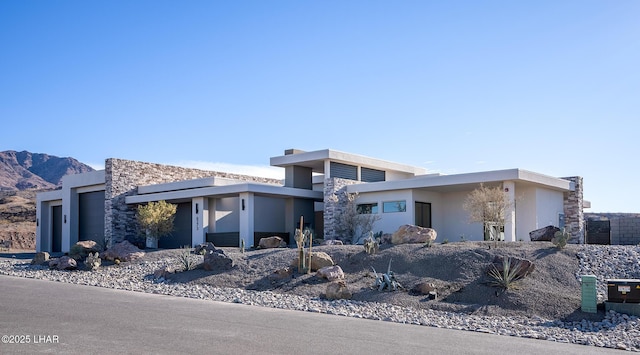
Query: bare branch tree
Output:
(353,225)
(488,206)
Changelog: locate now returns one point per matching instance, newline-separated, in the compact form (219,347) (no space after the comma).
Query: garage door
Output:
(91,216)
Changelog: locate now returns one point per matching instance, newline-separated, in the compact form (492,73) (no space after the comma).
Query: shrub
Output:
(560,238)
(156,218)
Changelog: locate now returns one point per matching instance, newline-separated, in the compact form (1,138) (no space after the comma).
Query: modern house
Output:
(225,208)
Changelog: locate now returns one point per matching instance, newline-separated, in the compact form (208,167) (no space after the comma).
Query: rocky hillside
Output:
(25,170)
(22,175)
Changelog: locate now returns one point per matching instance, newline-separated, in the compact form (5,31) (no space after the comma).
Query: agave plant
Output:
(506,277)
(386,281)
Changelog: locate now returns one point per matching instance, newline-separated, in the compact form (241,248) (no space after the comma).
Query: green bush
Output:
(560,238)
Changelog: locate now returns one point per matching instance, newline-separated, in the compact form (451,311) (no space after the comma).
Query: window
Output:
(343,171)
(394,206)
(367,208)
(371,175)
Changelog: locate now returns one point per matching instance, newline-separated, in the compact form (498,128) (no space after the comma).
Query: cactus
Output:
(242,246)
(560,238)
(371,246)
(386,281)
(93,261)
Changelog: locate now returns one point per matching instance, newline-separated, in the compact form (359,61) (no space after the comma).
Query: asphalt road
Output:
(53,317)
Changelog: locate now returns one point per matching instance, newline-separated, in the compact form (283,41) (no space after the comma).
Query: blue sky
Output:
(451,86)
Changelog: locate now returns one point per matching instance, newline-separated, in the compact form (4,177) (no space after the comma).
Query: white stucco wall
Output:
(526,219)
(226,215)
(456,219)
(550,204)
(389,222)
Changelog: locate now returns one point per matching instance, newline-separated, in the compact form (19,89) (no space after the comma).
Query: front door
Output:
(423,214)
(56,229)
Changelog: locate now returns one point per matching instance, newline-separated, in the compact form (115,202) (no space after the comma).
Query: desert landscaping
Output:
(438,284)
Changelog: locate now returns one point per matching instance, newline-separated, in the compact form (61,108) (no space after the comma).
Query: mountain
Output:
(25,170)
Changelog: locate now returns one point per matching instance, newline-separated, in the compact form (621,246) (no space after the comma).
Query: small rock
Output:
(215,260)
(331,273)
(203,248)
(66,263)
(163,272)
(40,258)
(332,242)
(281,274)
(338,290)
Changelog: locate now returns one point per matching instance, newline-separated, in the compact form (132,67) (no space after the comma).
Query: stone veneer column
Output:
(122,178)
(573,211)
(335,201)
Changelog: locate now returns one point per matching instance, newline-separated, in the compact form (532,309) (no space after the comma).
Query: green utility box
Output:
(589,294)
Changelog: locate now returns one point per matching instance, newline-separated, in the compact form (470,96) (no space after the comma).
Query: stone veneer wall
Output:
(625,227)
(335,201)
(573,211)
(123,178)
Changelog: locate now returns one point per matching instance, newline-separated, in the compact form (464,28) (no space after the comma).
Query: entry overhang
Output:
(225,191)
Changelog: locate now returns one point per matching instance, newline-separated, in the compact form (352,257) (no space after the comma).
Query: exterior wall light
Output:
(65,218)
(243,204)
(196,208)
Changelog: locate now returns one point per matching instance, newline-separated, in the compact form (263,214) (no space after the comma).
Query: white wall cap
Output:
(85,179)
(460,180)
(48,196)
(187,184)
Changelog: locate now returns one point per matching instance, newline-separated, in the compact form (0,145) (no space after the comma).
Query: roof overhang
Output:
(227,191)
(459,182)
(315,160)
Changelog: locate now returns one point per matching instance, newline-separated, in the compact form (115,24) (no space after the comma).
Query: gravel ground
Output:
(546,305)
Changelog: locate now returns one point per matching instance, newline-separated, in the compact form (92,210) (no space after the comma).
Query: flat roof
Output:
(315,161)
(463,181)
(227,191)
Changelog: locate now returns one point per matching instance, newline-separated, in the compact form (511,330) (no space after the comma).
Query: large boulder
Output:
(338,290)
(543,234)
(40,258)
(272,242)
(123,251)
(411,234)
(525,267)
(331,273)
(319,259)
(216,261)
(83,248)
(332,242)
